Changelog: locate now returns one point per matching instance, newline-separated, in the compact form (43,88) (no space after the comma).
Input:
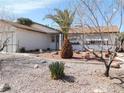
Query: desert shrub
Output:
(22,50)
(36,50)
(48,49)
(25,21)
(57,70)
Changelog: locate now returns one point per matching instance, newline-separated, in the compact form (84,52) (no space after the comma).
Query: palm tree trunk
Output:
(67,51)
(65,36)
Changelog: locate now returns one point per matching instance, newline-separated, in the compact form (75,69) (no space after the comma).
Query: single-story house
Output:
(36,36)
(102,38)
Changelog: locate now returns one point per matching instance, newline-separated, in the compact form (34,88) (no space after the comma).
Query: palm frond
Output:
(63,18)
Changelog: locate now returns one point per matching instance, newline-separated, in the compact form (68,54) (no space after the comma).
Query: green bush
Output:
(22,50)
(57,70)
(25,21)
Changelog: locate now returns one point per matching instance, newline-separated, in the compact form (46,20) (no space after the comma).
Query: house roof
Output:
(45,28)
(93,30)
(31,28)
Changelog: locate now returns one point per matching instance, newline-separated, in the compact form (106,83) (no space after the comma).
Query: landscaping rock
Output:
(80,77)
(77,52)
(54,53)
(99,91)
(115,65)
(44,61)
(87,55)
(36,66)
(4,87)
(40,50)
(37,55)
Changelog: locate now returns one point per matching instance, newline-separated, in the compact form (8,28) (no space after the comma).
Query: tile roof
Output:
(93,30)
(31,28)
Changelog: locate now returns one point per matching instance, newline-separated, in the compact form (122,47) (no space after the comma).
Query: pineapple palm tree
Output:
(64,19)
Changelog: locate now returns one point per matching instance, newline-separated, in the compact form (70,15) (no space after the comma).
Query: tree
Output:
(64,19)
(121,40)
(25,21)
(5,29)
(5,15)
(4,44)
(96,15)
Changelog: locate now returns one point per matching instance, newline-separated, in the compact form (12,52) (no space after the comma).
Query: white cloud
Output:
(22,6)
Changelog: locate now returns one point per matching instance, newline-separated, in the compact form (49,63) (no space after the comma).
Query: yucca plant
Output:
(57,70)
(64,19)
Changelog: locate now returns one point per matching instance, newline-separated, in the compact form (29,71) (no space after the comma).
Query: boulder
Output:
(115,65)
(87,55)
(40,50)
(4,87)
(36,66)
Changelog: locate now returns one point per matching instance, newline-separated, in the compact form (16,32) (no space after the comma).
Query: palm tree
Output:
(64,19)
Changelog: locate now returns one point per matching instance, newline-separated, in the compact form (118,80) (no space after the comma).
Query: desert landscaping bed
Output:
(20,73)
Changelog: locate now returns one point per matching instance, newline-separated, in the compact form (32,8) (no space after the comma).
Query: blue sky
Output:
(37,9)
(34,9)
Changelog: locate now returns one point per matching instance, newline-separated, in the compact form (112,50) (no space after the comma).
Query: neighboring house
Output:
(93,38)
(36,36)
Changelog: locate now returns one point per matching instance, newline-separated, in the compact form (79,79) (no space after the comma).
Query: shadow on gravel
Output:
(120,78)
(70,79)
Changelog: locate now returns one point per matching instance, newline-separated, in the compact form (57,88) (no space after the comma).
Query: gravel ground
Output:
(81,77)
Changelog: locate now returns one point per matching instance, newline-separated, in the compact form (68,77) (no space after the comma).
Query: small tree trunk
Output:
(121,46)
(107,71)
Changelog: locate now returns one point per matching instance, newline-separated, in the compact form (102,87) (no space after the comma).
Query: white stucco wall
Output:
(32,40)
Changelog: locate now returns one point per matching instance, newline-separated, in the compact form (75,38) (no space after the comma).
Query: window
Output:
(75,43)
(52,39)
(96,41)
(74,40)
